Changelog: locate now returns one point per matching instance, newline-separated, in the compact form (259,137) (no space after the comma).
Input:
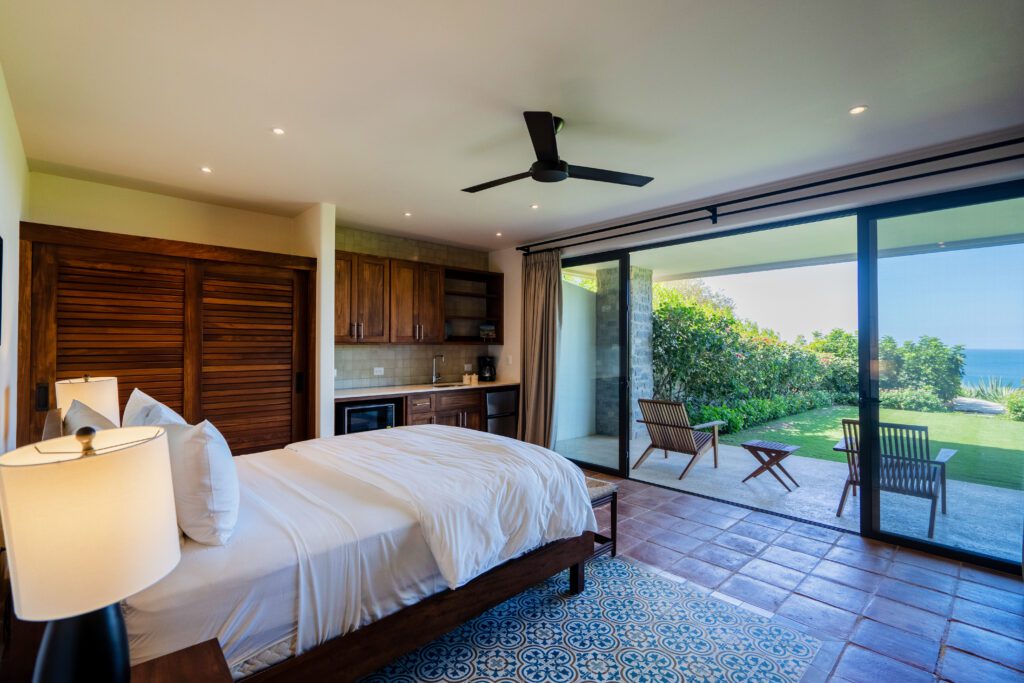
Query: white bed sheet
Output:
(309,539)
(339,532)
(481,499)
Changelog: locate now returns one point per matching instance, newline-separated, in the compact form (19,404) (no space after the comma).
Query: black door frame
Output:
(867,315)
(867,247)
(622,257)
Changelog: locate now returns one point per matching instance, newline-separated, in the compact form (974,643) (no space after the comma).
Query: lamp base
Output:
(89,647)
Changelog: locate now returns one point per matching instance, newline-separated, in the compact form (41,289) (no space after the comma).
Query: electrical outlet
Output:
(468,367)
(508,361)
(335,373)
(377,372)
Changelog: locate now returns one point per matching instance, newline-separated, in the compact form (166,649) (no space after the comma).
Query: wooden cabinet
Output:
(417,300)
(362,286)
(430,303)
(408,302)
(459,408)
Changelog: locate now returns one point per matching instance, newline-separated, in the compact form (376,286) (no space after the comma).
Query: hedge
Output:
(725,368)
(1015,406)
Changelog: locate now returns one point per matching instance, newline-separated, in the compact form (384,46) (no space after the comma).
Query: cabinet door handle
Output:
(417,333)
(353,331)
(362,335)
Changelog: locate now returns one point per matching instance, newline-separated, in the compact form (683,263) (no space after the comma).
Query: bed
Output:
(351,550)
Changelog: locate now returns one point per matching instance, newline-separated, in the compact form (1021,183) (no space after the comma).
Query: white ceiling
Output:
(393,107)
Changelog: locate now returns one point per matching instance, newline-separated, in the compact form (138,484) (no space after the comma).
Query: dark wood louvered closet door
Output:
(252,355)
(123,318)
(215,333)
(104,314)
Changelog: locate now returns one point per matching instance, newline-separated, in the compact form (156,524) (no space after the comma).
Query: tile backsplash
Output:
(402,363)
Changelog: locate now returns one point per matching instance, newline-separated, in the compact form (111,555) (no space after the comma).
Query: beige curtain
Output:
(542,315)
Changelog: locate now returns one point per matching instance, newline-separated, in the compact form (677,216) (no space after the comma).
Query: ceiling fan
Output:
(548,168)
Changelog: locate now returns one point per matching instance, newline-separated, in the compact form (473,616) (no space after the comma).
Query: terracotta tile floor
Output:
(884,613)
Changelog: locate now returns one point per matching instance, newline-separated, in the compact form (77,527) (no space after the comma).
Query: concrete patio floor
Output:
(980,518)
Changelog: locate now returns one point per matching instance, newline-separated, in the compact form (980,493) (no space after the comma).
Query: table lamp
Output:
(89,520)
(99,393)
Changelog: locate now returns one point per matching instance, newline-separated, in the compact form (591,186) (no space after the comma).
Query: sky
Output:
(973,297)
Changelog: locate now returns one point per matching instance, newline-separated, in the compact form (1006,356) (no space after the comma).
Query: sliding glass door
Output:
(590,370)
(945,408)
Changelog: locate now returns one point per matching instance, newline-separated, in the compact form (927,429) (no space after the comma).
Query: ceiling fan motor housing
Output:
(549,172)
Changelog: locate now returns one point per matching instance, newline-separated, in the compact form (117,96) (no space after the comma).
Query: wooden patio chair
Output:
(906,467)
(670,430)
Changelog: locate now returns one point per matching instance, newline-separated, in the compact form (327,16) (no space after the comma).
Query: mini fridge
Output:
(503,411)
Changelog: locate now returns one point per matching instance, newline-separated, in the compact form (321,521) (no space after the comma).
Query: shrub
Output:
(990,389)
(750,412)
(1015,406)
(926,400)
(927,363)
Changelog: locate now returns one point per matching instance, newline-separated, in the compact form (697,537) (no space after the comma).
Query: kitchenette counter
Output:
(404,389)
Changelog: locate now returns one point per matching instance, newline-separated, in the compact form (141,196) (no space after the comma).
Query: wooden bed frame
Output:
(363,651)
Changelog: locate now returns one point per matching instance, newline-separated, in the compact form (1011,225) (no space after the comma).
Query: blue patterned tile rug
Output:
(631,625)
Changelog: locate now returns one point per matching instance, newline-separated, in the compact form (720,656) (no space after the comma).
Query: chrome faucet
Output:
(434,377)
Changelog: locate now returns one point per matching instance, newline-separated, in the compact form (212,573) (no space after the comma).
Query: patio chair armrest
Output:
(944,455)
(665,424)
(715,423)
(840,446)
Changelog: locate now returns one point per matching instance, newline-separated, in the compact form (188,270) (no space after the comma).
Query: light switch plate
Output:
(468,367)
(377,372)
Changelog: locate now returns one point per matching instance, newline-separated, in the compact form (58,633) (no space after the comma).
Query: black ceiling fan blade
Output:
(541,125)
(495,183)
(587,173)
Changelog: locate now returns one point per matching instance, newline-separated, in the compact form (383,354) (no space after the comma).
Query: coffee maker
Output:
(485,368)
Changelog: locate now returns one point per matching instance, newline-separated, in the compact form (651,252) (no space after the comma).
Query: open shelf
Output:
(473,299)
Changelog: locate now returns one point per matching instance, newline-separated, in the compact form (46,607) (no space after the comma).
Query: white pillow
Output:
(143,410)
(80,415)
(205,482)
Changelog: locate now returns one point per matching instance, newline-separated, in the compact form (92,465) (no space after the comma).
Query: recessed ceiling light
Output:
(534,206)
(206,169)
(497,234)
(277,131)
(859,109)
(408,214)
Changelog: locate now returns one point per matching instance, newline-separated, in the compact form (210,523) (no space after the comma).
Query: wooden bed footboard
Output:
(356,654)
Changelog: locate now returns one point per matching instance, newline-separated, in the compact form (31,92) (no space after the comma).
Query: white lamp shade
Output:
(84,532)
(99,393)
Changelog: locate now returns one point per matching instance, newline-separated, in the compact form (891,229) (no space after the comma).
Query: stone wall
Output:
(608,370)
(641,331)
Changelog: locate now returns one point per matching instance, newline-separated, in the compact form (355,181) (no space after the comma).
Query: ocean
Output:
(1006,364)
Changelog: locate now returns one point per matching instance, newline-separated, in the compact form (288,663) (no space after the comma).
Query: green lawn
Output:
(990,449)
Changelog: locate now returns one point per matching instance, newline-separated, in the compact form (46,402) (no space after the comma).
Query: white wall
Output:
(509,355)
(575,399)
(13,197)
(56,200)
(315,233)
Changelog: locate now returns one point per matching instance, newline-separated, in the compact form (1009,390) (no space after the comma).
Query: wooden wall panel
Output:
(248,377)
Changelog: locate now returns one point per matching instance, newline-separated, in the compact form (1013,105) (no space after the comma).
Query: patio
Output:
(983,519)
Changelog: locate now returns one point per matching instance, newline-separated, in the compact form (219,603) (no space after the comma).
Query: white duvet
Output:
(336,533)
(480,499)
